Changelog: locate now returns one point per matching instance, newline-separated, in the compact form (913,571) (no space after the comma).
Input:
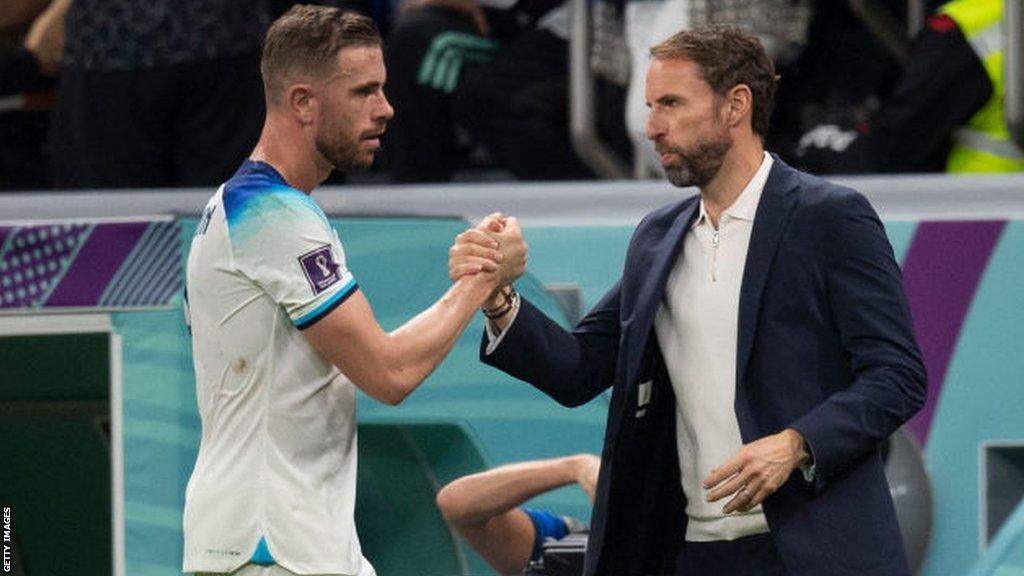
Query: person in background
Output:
(486,508)
(157,93)
(517,107)
(945,112)
(435,47)
(31,43)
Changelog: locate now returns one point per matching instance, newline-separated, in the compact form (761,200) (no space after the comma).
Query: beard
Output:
(698,165)
(344,154)
(344,150)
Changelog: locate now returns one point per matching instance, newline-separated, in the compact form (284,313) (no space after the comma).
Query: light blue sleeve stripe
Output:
(343,292)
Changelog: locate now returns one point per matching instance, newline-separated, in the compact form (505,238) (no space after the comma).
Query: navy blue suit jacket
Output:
(825,347)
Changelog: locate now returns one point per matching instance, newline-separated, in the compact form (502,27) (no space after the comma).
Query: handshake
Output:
(493,252)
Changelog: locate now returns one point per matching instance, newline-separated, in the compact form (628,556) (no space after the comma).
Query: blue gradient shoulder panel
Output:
(258,193)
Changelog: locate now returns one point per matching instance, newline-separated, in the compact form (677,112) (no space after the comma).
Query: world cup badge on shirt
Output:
(320,269)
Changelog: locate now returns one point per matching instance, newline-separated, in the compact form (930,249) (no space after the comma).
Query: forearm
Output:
(479,497)
(571,367)
(418,346)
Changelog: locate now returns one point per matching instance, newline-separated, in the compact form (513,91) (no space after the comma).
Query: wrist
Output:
(481,285)
(502,301)
(798,446)
(573,468)
(496,298)
(584,468)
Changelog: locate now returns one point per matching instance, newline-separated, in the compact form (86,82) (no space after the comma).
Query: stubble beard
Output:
(343,156)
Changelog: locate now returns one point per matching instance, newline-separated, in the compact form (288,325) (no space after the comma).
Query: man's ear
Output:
(739,102)
(301,102)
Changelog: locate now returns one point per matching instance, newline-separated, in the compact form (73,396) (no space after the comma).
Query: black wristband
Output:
(506,306)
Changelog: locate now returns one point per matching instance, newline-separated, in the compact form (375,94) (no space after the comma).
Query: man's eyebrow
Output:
(367,86)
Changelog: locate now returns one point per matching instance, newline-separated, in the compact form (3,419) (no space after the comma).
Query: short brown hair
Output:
(305,42)
(728,57)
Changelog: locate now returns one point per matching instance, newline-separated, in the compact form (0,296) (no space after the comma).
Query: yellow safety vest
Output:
(984,144)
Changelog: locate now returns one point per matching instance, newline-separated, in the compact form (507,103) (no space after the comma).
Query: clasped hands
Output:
(495,246)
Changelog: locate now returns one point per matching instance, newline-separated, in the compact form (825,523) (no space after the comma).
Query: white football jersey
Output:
(277,458)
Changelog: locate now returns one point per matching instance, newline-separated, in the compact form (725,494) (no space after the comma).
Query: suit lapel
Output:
(664,252)
(769,224)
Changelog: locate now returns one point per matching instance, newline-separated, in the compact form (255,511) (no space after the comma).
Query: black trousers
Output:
(184,125)
(749,556)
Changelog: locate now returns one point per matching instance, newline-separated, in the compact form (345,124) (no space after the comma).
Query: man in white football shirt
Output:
(282,336)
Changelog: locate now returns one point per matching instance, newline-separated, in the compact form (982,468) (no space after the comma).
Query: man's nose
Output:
(654,128)
(385,111)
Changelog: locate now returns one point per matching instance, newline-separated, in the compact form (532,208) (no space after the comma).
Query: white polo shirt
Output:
(277,458)
(697,328)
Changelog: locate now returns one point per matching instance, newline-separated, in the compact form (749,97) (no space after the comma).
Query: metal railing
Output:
(582,118)
(1013,68)
(917,14)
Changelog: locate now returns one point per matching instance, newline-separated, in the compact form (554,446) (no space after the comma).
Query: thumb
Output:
(494,222)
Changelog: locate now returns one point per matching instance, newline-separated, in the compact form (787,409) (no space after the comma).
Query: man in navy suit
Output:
(758,345)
